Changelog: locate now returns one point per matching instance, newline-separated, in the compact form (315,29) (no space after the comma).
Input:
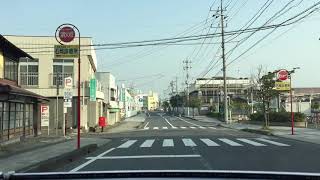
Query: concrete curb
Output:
(58,161)
(258,131)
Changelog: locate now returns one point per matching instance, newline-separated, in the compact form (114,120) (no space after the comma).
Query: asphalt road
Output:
(174,143)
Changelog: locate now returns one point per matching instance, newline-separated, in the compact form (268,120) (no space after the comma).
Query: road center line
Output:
(189,122)
(167,121)
(147,156)
(92,159)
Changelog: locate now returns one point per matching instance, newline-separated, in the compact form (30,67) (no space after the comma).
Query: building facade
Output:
(153,101)
(19,108)
(210,90)
(45,75)
(111,102)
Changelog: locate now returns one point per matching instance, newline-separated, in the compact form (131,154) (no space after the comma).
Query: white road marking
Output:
(167,143)
(127,144)
(182,127)
(167,121)
(147,156)
(147,143)
(192,127)
(155,127)
(91,160)
(189,122)
(251,142)
(209,142)
(201,127)
(188,142)
(146,126)
(272,142)
(212,128)
(165,127)
(231,143)
(174,127)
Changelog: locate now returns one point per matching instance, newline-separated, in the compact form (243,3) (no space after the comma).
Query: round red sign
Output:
(66,34)
(283,75)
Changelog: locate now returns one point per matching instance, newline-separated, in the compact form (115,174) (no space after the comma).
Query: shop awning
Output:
(6,88)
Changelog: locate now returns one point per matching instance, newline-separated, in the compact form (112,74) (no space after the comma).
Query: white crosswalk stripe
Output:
(192,127)
(146,128)
(188,142)
(167,143)
(229,142)
(212,128)
(272,142)
(209,142)
(127,144)
(147,143)
(174,127)
(182,127)
(251,142)
(155,127)
(201,127)
(165,127)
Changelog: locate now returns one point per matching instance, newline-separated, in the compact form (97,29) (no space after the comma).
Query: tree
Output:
(194,102)
(266,93)
(176,101)
(165,105)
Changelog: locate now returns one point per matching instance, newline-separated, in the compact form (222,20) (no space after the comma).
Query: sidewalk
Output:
(302,134)
(17,156)
(128,124)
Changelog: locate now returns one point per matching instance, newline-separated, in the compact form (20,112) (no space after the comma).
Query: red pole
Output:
(78,103)
(292,114)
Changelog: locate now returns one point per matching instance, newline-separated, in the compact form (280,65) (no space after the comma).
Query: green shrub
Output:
(214,114)
(279,117)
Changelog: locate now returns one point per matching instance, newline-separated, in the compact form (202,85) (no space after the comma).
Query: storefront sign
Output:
(93,84)
(282,75)
(282,86)
(44,115)
(66,51)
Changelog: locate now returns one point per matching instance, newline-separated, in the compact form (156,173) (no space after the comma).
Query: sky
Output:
(152,68)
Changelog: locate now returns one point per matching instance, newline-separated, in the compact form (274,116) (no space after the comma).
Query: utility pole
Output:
(225,94)
(186,68)
(177,101)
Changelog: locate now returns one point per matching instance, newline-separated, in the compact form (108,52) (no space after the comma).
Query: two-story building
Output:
(19,108)
(44,75)
(110,103)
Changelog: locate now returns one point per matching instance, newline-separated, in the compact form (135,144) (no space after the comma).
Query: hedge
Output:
(279,117)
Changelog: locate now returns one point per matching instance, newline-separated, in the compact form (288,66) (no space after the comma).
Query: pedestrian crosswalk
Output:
(178,127)
(208,142)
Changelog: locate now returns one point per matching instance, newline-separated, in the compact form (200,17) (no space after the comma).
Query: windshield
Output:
(159,85)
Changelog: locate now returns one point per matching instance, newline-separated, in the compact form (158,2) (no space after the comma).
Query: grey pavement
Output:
(197,149)
(302,134)
(22,160)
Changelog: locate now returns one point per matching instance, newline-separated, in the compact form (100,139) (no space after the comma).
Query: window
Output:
(10,69)
(62,68)
(29,72)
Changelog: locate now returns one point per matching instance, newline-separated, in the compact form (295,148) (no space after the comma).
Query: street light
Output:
(292,114)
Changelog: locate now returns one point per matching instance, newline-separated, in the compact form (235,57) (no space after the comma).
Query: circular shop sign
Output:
(66,34)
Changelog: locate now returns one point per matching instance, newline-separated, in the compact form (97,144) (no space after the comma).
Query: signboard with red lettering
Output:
(66,34)
(44,110)
(282,75)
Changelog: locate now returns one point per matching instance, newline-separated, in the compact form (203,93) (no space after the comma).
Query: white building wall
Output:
(41,47)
